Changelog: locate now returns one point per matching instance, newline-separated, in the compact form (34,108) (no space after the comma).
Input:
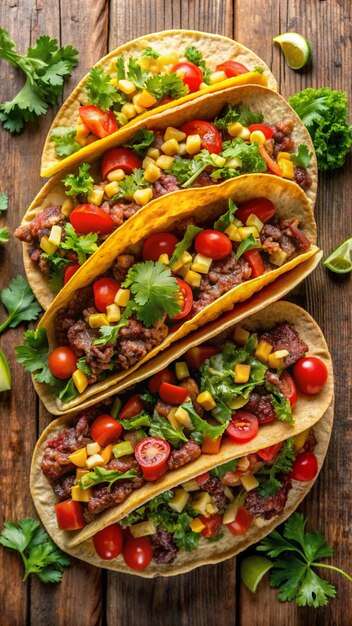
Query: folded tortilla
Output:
(215,50)
(289,201)
(307,412)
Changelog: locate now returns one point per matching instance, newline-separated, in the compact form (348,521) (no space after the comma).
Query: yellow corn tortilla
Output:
(307,412)
(289,200)
(215,50)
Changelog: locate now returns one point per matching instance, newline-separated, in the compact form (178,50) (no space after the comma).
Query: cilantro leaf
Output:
(82,182)
(82,365)
(19,302)
(4,235)
(65,142)
(282,407)
(4,201)
(161,427)
(202,426)
(65,390)
(185,243)
(99,89)
(247,244)
(269,484)
(221,470)
(303,157)
(150,53)
(102,475)
(129,185)
(226,219)
(136,74)
(141,141)
(240,113)
(154,290)
(109,334)
(83,245)
(247,153)
(34,353)
(161,85)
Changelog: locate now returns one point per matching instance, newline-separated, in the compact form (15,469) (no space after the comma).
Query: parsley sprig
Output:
(82,182)
(64,138)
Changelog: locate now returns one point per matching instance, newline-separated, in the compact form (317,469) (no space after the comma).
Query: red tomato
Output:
(243,427)
(267,454)
(262,208)
(160,243)
(242,522)
(100,123)
(255,262)
(69,271)
(266,130)
(185,298)
(213,244)
(108,542)
(137,553)
(69,515)
(210,137)
(105,290)
(132,407)
(305,467)
(62,362)
(202,478)
(165,101)
(212,524)
(195,357)
(288,388)
(89,218)
(172,394)
(232,68)
(190,74)
(152,454)
(105,430)
(310,374)
(119,159)
(211,446)
(164,376)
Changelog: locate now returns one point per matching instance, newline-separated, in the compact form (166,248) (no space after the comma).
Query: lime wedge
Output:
(340,260)
(295,48)
(253,568)
(5,374)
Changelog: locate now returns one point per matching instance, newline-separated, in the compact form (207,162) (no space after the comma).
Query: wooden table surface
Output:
(214,594)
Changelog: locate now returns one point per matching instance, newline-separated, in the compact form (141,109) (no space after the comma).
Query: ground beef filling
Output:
(267,508)
(285,337)
(164,549)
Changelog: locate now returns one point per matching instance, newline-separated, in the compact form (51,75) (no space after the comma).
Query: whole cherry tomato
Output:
(232,68)
(242,522)
(164,376)
(213,244)
(108,542)
(243,427)
(137,553)
(119,159)
(105,430)
(100,123)
(89,218)
(305,467)
(310,374)
(157,244)
(152,454)
(69,515)
(105,290)
(62,362)
(210,137)
(190,73)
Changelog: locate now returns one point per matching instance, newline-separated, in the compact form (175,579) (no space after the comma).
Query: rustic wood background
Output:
(88,596)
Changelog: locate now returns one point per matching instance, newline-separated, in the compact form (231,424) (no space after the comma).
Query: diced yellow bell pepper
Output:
(276,359)
(284,155)
(143,529)
(93,448)
(67,207)
(253,220)
(48,247)
(193,278)
(55,235)
(179,500)
(286,168)
(80,473)
(183,418)
(240,336)
(80,495)
(80,380)
(113,313)
(106,453)
(181,370)
(79,457)
(193,144)
(143,196)
(233,233)
(122,297)
(96,320)
(249,482)
(96,195)
(263,350)
(230,513)
(174,133)
(170,147)
(191,485)
(172,419)
(242,373)
(94,461)
(200,502)
(206,400)
(248,230)
(278,258)
(201,263)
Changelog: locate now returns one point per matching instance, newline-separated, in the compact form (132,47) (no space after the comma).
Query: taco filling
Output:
(154,163)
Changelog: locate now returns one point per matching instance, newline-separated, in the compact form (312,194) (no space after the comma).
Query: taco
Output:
(151,73)
(71,217)
(223,401)
(123,309)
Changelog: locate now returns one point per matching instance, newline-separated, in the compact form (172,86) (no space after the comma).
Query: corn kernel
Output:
(206,400)
(286,168)
(182,149)
(55,235)
(263,350)
(181,370)
(113,313)
(170,147)
(174,133)
(242,373)
(257,136)
(183,418)
(186,257)
(139,109)
(80,495)
(278,258)
(245,134)
(67,207)
(80,380)
(276,359)
(116,175)
(146,99)
(164,258)
(94,461)
(193,144)
(96,195)
(106,453)
(234,162)
(240,336)
(143,196)
(126,86)
(48,247)
(248,230)
(96,320)
(172,419)
(152,173)
(153,153)
(93,448)
(284,155)
(233,233)
(196,525)
(111,189)
(183,270)
(217,77)
(193,278)
(82,132)
(128,110)
(249,482)
(147,161)
(234,129)
(144,62)
(79,457)
(201,263)
(203,86)
(164,162)
(168,59)
(122,297)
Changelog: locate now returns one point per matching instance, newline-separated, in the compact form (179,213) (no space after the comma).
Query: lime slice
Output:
(5,374)
(295,48)
(253,568)
(340,260)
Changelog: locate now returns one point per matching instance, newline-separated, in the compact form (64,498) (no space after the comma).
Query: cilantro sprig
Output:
(294,573)
(82,182)
(39,553)
(269,483)
(102,475)
(19,302)
(4,201)
(99,89)
(83,245)
(65,142)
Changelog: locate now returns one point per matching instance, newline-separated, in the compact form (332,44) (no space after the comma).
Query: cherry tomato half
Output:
(266,130)
(243,427)
(164,376)
(185,298)
(172,394)
(89,218)
(100,123)
(69,515)
(262,208)
(62,362)
(305,467)
(119,159)
(105,430)
(288,388)
(310,374)
(213,244)
(210,137)
(267,454)
(70,271)
(190,74)
(255,262)
(137,553)
(242,522)
(202,478)
(152,454)
(105,290)
(132,407)
(212,524)
(157,244)
(195,357)
(232,68)
(108,542)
